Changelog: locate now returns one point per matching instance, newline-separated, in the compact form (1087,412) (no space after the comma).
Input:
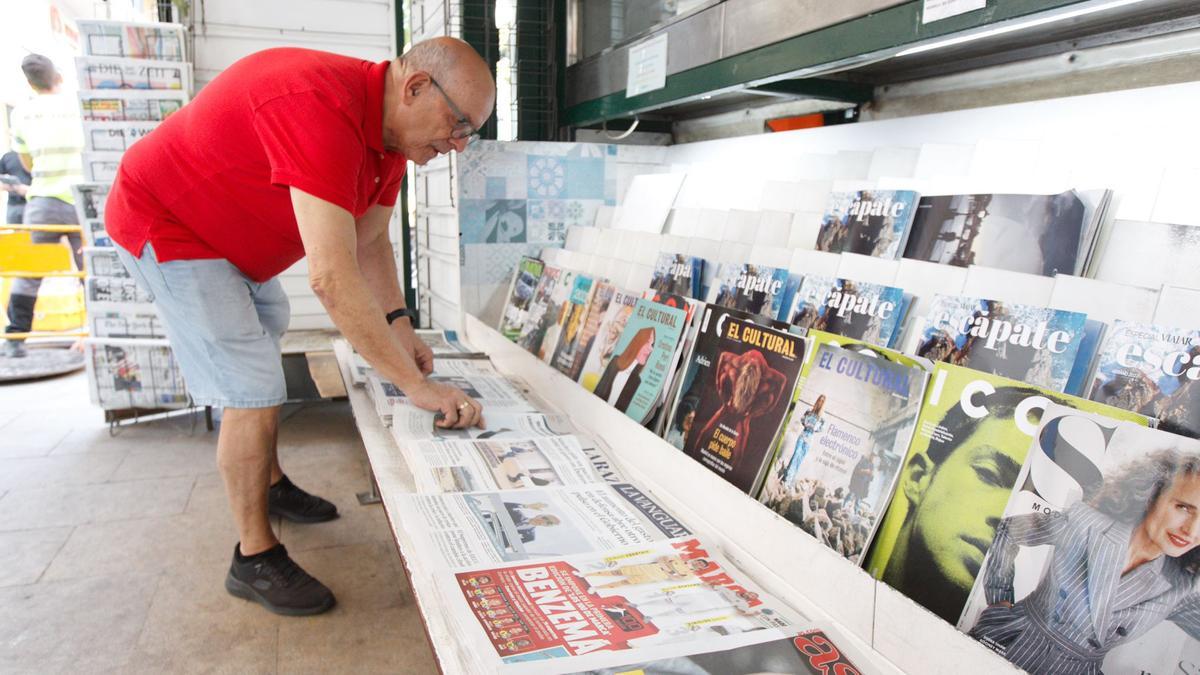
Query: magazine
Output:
(1038,234)
(1033,344)
(647,601)
(553,287)
(640,366)
(471,529)
(678,274)
(754,289)
(481,466)
(743,394)
(971,439)
(608,333)
(410,424)
(1093,567)
(874,222)
(520,293)
(602,296)
(872,313)
(107,72)
(838,459)
(692,378)
(571,324)
(684,346)
(558,309)
(812,652)
(1152,370)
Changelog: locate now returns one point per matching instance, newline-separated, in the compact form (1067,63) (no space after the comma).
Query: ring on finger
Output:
(464,405)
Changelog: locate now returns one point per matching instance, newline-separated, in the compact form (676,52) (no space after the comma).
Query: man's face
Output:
(955,518)
(1172,523)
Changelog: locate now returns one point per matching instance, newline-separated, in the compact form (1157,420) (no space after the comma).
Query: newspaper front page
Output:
(480,466)
(480,528)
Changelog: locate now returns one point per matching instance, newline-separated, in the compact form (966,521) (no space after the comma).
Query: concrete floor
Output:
(113,550)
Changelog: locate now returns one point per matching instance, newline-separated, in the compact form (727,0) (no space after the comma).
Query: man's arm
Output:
(330,243)
(378,266)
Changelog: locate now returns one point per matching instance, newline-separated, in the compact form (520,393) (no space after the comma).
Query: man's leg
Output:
(245,457)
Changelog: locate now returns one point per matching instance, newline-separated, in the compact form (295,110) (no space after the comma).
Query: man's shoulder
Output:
(281,71)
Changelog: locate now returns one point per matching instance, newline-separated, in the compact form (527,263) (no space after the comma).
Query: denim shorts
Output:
(223,327)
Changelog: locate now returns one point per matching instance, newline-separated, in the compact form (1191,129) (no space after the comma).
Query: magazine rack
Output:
(892,632)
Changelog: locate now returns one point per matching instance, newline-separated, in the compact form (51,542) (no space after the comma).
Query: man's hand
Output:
(420,352)
(459,411)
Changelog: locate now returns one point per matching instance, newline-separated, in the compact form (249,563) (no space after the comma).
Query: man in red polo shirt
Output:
(289,153)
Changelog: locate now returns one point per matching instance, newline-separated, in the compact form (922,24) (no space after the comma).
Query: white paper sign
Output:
(647,66)
(935,10)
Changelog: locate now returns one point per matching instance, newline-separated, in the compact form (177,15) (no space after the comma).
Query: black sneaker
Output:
(276,582)
(290,502)
(14,349)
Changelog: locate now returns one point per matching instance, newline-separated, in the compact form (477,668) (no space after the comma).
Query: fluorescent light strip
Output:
(1016,26)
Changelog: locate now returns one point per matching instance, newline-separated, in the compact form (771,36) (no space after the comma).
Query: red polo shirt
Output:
(212,180)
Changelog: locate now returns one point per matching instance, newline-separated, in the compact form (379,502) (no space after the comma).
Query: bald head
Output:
(437,86)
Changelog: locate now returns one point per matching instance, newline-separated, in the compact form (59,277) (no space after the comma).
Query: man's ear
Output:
(916,478)
(416,83)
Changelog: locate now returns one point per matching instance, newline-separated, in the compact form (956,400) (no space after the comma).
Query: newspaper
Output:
(132,374)
(464,364)
(114,72)
(411,424)
(160,41)
(480,466)
(602,609)
(493,392)
(114,136)
(480,528)
(121,105)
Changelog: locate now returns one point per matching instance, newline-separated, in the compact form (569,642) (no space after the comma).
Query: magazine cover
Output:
(1037,234)
(608,334)
(971,439)
(694,373)
(482,466)
(1037,345)
(754,289)
(683,347)
(602,297)
(480,528)
(812,652)
(640,366)
(870,222)
(1151,370)
(542,312)
(1094,563)
(872,313)
(571,288)
(520,293)
(839,458)
(410,424)
(743,396)
(678,274)
(570,333)
(646,601)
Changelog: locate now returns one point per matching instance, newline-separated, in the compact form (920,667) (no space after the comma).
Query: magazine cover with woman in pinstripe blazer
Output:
(1094,566)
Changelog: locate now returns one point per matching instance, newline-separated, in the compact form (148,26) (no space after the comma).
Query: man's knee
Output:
(247,433)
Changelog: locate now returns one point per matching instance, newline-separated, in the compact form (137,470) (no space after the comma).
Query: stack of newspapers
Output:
(549,558)
(131,77)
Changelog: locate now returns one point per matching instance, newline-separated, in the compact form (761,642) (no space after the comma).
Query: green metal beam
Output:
(895,27)
(821,89)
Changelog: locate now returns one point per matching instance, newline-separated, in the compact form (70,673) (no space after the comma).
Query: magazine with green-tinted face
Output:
(972,437)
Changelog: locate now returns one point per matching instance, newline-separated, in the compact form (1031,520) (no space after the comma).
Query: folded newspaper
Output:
(480,528)
(607,608)
(474,466)
(411,424)
(494,392)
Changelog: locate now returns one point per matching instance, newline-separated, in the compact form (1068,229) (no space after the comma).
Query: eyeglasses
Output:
(463,127)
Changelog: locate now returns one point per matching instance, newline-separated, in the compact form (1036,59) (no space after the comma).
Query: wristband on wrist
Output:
(403,311)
